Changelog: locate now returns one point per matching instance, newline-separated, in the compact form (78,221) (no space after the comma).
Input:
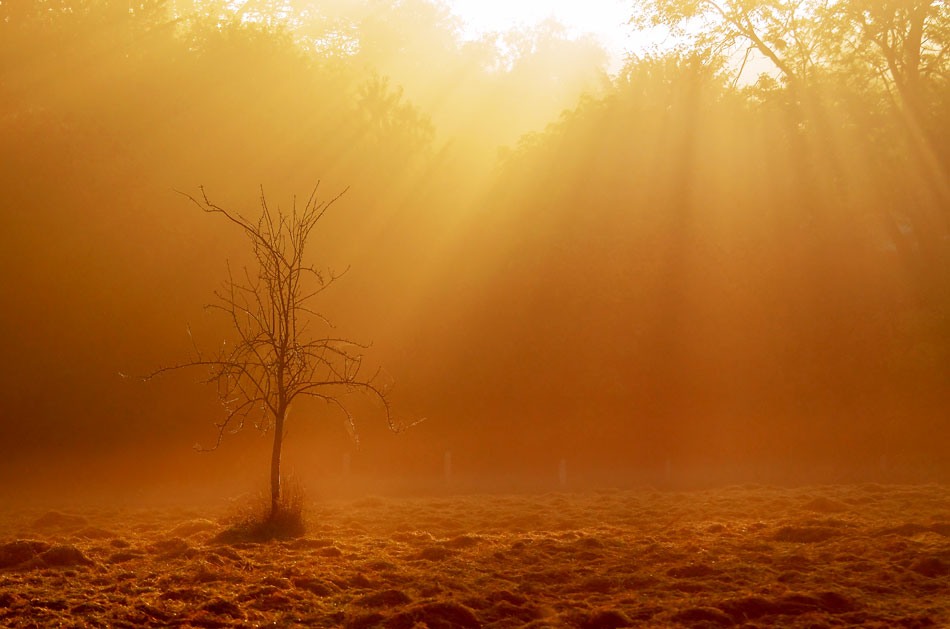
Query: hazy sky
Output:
(671,270)
(606,19)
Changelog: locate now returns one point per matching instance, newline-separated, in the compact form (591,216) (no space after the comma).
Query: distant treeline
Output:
(679,260)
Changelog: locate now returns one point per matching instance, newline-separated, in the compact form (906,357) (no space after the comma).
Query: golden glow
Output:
(550,259)
(605,20)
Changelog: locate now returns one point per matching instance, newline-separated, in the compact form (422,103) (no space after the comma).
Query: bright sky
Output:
(605,19)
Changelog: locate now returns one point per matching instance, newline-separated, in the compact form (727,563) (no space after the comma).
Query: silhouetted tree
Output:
(274,359)
(904,43)
(782,32)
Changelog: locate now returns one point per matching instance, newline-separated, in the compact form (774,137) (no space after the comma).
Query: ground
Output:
(751,556)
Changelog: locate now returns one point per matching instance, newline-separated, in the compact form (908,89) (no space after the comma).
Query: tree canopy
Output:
(741,236)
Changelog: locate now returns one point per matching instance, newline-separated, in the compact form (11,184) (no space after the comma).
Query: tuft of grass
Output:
(256,523)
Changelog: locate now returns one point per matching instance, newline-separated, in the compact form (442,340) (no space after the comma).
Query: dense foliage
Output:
(734,248)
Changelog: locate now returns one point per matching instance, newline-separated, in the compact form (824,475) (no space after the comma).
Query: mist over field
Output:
(744,278)
(360,313)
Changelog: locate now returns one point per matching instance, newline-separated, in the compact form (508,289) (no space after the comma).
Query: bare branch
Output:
(270,362)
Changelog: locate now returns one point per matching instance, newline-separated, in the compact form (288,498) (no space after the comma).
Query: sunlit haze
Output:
(483,313)
(607,20)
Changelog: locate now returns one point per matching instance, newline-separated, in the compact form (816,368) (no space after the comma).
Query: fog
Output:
(660,277)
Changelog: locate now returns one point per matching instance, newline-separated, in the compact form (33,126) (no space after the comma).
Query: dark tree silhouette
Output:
(274,359)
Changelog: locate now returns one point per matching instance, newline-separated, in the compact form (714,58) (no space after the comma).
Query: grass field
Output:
(751,556)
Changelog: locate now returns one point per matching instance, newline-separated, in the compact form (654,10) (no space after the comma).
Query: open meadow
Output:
(751,556)
(428,256)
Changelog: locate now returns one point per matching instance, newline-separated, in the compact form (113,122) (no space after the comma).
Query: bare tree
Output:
(274,360)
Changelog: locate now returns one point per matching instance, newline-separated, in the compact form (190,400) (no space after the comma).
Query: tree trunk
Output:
(275,462)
